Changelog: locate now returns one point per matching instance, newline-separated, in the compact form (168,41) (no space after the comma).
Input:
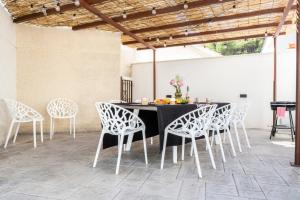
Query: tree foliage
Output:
(237,47)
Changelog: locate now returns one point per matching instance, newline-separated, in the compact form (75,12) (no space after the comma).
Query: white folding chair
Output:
(192,125)
(238,118)
(21,113)
(120,122)
(221,120)
(61,108)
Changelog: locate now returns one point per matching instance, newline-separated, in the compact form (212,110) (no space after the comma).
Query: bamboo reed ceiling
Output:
(225,17)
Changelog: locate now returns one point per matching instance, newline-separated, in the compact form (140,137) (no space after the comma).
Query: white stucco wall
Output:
(38,64)
(7,67)
(224,79)
(128,56)
(80,65)
(175,53)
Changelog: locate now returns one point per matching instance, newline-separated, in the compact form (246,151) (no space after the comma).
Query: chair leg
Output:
(51,128)
(151,140)
(237,137)
(50,131)
(164,151)
(174,149)
(16,134)
(196,157)
(9,133)
(42,131)
(246,135)
(212,139)
(182,148)
(221,145)
(74,125)
(34,133)
(210,152)
(120,146)
(224,137)
(70,124)
(98,149)
(145,146)
(191,152)
(231,142)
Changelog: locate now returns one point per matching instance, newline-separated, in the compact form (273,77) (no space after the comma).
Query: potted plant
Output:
(177,83)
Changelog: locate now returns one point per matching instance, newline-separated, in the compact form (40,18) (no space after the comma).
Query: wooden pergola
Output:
(152,24)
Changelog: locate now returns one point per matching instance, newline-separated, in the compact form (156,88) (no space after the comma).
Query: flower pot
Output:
(178,95)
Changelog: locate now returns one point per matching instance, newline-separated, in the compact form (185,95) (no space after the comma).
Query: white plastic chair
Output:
(119,101)
(238,118)
(62,108)
(192,125)
(221,120)
(199,105)
(21,113)
(137,101)
(120,122)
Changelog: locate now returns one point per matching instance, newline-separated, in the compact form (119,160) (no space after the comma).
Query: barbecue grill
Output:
(289,107)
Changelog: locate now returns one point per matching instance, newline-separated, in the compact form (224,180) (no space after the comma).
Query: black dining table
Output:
(156,118)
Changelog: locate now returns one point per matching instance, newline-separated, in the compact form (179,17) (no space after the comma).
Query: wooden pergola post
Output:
(275,76)
(154,74)
(297,136)
(275,71)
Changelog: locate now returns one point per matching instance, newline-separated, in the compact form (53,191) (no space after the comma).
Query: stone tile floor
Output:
(62,169)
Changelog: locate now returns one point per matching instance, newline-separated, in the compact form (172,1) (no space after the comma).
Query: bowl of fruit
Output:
(167,101)
(164,101)
(182,101)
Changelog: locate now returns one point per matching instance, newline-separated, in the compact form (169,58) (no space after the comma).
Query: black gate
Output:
(126,89)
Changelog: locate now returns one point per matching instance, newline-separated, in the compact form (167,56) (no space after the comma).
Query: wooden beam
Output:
(95,11)
(212,32)
(212,41)
(283,18)
(121,89)
(52,11)
(209,20)
(297,137)
(143,14)
(154,75)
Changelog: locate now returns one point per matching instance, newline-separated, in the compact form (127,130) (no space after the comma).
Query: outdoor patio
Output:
(149,99)
(62,169)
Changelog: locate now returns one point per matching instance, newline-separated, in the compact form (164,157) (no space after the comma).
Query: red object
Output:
(281,112)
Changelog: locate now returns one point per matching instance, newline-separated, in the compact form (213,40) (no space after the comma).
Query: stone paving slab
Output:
(61,169)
